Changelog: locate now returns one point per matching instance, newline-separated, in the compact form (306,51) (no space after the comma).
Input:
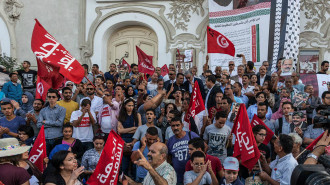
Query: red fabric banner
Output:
(218,43)
(38,151)
(245,148)
(42,88)
(125,64)
(257,121)
(107,168)
(196,104)
(164,70)
(310,147)
(50,74)
(49,51)
(145,62)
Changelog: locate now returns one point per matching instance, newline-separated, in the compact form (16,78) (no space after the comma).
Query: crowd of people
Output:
(148,112)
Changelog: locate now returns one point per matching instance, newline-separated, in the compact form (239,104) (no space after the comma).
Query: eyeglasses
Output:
(100,134)
(51,97)
(263,135)
(89,89)
(198,164)
(141,90)
(231,64)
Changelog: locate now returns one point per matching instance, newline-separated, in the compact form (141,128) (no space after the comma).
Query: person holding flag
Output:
(280,170)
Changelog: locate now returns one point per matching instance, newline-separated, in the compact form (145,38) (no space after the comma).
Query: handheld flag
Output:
(196,106)
(310,147)
(145,62)
(218,43)
(38,151)
(164,70)
(107,168)
(257,121)
(51,52)
(125,64)
(245,147)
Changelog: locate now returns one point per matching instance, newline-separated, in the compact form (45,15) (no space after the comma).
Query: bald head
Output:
(157,154)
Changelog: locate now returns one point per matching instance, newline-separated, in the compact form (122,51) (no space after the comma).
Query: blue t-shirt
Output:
(140,171)
(178,148)
(12,125)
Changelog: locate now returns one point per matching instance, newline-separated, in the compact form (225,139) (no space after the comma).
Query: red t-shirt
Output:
(210,112)
(215,162)
(10,174)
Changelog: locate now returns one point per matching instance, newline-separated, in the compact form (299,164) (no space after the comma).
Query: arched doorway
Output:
(125,39)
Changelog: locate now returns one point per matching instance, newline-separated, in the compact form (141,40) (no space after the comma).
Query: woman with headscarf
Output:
(27,105)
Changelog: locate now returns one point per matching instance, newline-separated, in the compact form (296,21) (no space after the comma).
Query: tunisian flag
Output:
(164,70)
(196,106)
(107,168)
(125,64)
(145,62)
(310,147)
(245,148)
(38,151)
(218,43)
(257,121)
(51,52)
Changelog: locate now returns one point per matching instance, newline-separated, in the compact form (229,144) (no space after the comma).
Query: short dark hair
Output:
(27,129)
(220,114)
(42,101)
(152,110)
(11,74)
(51,90)
(227,76)
(324,94)
(239,84)
(133,65)
(58,159)
(97,136)
(6,103)
(197,142)
(211,78)
(263,104)
(66,88)
(100,77)
(257,129)
(288,103)
(208,71)
(85,66)
(67,125)
(152,131)
(176,113)
(197,154)
(121,86)
(95,65)
(229,101)
(248,76)
(286,142)
(324,62)
(177,75)
(85,102)
(28,62)
(176,119)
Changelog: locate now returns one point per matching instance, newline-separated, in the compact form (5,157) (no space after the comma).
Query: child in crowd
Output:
(231,167)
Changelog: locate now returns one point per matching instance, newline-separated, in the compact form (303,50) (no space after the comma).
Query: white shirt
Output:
(262,79)
(84,131)
(151,86)
(248,89)
(233,73)
(97,103)
(282,168)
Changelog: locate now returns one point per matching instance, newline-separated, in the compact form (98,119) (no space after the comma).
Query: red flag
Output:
(245,148)
(38,151)
(196,106)
(310,147)
(125,64)
(107,168)
(50,74)
(49,51)
(145,62)
(218,43)
(178,51)
(257,121)
(164,70)
(42,88)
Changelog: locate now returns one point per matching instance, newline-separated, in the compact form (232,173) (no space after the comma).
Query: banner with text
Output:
(247,28)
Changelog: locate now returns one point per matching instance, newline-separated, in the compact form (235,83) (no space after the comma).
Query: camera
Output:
(323,120)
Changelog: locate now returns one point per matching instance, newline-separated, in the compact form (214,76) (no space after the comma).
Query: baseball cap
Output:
(231,163)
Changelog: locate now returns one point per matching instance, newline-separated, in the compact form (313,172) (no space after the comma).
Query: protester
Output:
(25,135)
(33,115)
(69,105)
(35,173)
(12,89)
(231,167)
(10,123)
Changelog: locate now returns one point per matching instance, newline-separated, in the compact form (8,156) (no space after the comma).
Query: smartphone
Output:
(238,55)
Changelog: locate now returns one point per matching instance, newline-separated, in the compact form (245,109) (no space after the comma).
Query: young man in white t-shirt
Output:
(82,121)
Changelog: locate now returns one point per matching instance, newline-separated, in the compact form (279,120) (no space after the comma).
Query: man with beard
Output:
(97,102)
(213,110)
(312,102)
(298,125)
(141,130)
(230,94)
(134,74)
(262,110)
(112,74)
(286,67)
(143,145)
(177,85)
(247,89)
(171,79)
(169,132)
(32,116)
(159,171)
(283,123)
(324,67)
(262,76)
(178,147)
(68,103)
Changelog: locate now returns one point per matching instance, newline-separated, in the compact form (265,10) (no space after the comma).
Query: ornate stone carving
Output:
(13,9)
(315,11)
(180,12)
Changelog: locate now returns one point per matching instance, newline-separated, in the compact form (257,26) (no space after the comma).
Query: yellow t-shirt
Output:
(70,107)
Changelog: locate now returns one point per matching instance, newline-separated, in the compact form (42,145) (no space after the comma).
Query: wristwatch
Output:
(311,155)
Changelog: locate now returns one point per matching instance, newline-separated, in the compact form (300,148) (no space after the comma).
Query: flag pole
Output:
(300,154)
(90,81)
(259,165)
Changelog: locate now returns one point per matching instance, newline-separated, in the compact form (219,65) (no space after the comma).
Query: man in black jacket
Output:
(191,80)
(262,77)
(213,89)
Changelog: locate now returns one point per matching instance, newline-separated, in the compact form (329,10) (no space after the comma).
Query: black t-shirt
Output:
(28,78)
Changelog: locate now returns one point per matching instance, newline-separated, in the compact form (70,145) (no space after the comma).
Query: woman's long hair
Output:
(123,113)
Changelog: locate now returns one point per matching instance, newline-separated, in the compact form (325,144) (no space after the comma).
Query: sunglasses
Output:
(89,89)
(51,97)
(141,90)
(107,95)
(100,134)
(69,85)
(231,64)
